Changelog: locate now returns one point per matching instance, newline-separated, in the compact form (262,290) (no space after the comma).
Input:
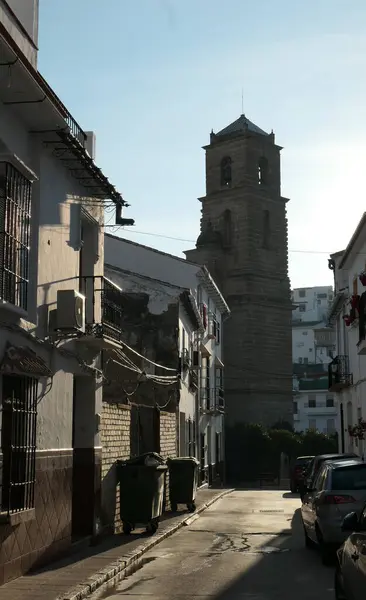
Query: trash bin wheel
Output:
(174,506)
(152,527)
(127,528)
(191,507)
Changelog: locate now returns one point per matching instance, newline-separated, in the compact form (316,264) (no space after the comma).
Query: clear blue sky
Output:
(152,77)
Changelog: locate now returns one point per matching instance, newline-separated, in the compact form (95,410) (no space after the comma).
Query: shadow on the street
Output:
(290,495)
(103,545)
(274,575)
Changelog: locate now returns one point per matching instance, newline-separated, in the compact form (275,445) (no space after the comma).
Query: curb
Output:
(119,569)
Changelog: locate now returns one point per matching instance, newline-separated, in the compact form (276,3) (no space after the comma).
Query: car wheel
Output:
(338,586)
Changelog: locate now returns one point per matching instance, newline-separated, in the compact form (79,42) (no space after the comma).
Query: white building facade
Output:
(347,371)
(311,304)
(51,277)
(315,407)
(312,343)
(202,347)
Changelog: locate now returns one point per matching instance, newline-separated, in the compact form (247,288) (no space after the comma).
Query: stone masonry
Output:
(115,440)
(243,242)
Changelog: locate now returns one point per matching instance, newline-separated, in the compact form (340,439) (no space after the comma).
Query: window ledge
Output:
(18,517)
(18,164)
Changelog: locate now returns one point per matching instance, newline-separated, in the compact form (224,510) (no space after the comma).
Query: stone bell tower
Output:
(243,243)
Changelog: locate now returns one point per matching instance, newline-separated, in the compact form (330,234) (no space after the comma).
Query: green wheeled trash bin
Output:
(183,482)
(142,484)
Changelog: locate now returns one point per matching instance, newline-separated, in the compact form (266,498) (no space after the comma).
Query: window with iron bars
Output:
(15,208)
(18,443)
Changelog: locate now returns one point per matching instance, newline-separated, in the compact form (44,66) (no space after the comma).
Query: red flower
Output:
(355,301)
(348,320)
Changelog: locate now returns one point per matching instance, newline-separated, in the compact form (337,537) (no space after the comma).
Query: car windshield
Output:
(349,478)
(302,462)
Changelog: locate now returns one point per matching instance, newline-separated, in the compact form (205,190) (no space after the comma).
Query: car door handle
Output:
(355,556)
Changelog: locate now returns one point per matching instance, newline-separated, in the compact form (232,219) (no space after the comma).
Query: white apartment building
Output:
(311,304)
(312,343)
(51,281)
(314,406)
(347,371)
(134,265)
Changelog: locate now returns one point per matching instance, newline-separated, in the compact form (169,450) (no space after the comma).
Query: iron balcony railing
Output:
(319,405)
(75,129)
(103,308)
(212,400)
(339,376)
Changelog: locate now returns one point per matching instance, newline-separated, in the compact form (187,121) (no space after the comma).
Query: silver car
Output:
(339,488)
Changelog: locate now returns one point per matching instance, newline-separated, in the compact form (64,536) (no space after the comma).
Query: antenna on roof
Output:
(242,101)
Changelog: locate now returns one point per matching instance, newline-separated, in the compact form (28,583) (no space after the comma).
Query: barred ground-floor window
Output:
(18,443)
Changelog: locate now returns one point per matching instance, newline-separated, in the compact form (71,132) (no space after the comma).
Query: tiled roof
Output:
(239,126)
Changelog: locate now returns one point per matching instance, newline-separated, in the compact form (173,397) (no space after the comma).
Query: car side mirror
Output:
(350,522)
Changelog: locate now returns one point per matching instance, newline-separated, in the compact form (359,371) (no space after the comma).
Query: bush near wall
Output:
(252,449)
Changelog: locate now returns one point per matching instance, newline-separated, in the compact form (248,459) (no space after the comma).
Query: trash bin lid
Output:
(183,459)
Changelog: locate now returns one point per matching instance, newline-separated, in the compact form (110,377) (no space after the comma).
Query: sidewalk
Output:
(78,575)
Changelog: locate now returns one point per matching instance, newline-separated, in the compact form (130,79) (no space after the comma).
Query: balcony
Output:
(361,346)
(185,359)
(103,311)
(319,409)
(212,400)
(193,380)
(339,376)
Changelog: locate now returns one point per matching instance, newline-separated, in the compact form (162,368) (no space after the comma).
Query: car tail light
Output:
(338,499)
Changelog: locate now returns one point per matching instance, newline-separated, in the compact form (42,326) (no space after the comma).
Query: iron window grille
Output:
(18,443)
(102,294)
(15,209)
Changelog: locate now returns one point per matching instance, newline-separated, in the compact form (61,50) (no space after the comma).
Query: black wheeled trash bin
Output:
(183,482)
(142,484)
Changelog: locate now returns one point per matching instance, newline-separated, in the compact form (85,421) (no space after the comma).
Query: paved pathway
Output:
(247,546)
(63,579)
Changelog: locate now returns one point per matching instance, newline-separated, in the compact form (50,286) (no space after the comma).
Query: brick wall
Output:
(115,440)
(168,443)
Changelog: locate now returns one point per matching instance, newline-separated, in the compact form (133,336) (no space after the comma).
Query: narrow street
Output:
(249,545)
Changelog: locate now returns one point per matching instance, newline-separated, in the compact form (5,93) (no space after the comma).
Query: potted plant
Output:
(355,302)
(362,277)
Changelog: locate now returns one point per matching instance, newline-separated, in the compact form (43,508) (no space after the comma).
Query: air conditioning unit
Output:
(70,311)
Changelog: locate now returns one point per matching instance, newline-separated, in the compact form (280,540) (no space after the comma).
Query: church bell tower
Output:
(243,243)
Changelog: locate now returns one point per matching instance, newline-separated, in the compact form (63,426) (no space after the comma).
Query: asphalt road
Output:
(247,546)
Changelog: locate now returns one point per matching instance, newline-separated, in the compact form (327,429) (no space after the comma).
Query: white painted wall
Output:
(304,348)
(354,397)
(54,265)
(313,303)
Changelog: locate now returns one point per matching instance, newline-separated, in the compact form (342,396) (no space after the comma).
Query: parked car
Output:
(298,472)
(339,488)
(314,466)
(350,573)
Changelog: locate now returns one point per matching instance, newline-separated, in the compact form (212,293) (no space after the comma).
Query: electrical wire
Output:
(178,239)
